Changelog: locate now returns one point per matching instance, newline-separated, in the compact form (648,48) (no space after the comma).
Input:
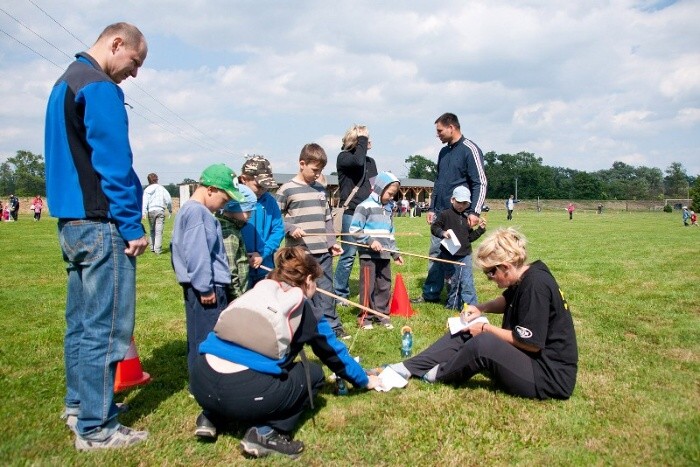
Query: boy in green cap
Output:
(198,255)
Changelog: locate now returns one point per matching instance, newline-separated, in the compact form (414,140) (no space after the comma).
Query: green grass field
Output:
(631,280)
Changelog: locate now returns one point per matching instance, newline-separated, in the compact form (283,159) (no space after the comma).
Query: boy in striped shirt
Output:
(308,223)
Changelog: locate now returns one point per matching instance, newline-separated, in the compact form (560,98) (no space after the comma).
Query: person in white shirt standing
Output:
(510,205)
(156,200)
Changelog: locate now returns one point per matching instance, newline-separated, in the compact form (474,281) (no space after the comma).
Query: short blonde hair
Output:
(502,246)
(350,138)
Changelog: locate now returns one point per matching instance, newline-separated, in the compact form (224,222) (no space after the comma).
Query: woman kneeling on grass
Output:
(533,354)
(231,382)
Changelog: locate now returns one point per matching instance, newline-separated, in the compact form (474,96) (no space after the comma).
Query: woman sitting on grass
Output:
(533,354)
(272,397)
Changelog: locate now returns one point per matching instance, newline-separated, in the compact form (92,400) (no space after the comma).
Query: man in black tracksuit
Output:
(460,163)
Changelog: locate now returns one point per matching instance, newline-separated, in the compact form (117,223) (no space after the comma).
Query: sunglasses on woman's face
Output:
(491,272)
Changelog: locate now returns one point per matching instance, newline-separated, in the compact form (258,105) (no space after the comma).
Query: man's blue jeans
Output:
(436,272)
(100,308)
(341,279)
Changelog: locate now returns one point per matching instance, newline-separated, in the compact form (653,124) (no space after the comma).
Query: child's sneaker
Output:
(123,437)
(274,442)
(204,429)
(364,323)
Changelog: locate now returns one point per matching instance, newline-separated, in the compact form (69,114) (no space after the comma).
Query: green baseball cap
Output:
(221,177)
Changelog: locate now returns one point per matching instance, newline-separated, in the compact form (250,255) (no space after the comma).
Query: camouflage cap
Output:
(259,168)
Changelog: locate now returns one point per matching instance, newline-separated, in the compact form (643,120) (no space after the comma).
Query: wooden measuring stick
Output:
(440,260)
(345,300)
(339,234)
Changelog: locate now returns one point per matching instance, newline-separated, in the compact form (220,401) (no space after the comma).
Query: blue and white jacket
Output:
(263,233)
(372,221)
(89,171)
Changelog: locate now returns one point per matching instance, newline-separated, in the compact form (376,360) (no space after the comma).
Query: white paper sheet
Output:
(452,244)
(390,380)
(456,323)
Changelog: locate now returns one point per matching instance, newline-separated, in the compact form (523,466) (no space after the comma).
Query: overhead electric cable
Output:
(198,138)
(34,32)
(52,19)
(22,43)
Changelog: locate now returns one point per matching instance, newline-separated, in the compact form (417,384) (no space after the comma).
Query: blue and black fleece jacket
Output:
(89,173)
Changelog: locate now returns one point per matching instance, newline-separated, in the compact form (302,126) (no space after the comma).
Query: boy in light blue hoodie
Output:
(373,227)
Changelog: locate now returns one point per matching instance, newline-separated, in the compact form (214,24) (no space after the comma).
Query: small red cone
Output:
(400,304)
(129,372)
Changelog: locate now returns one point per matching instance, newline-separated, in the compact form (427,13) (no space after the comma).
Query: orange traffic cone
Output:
(129,372)
(400,304)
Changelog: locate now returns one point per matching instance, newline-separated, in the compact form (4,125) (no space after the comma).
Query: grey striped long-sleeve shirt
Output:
(306,207)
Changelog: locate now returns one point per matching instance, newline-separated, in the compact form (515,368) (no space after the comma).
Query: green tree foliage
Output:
(677,181)
(421,167)
(173,189)
(23,175)
(622,181)
(695,195)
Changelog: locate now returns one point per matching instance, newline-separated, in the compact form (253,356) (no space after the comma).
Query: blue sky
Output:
(580,84)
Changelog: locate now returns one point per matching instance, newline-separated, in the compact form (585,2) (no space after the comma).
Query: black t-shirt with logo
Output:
(537,314)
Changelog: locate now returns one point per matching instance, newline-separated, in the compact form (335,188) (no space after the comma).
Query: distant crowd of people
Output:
(9,212)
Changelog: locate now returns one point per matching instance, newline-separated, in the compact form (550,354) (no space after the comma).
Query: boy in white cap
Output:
(454,223)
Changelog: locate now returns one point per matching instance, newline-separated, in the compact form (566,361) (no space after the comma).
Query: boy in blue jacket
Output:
(372,225)
(264,232)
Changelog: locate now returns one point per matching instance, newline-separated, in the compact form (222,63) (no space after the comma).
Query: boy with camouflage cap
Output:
(264,231)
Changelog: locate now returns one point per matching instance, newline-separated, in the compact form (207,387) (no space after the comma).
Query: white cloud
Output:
(683,81)
(635,120)
(580,84)
(688,116)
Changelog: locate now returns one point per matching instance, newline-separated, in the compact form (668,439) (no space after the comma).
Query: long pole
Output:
(440,260)
(346,234)
(344,300)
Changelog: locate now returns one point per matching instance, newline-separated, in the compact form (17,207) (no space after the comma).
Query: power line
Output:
(180,135)
(25,45)
(198,137)
(52,19)
(34,32)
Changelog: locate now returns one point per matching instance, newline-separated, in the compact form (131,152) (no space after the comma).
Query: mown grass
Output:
(631,280)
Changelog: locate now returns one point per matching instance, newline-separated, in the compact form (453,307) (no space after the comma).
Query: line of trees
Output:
(24,175)
(533,179)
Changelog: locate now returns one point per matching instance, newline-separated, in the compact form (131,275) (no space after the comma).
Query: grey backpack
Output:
(264,319)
